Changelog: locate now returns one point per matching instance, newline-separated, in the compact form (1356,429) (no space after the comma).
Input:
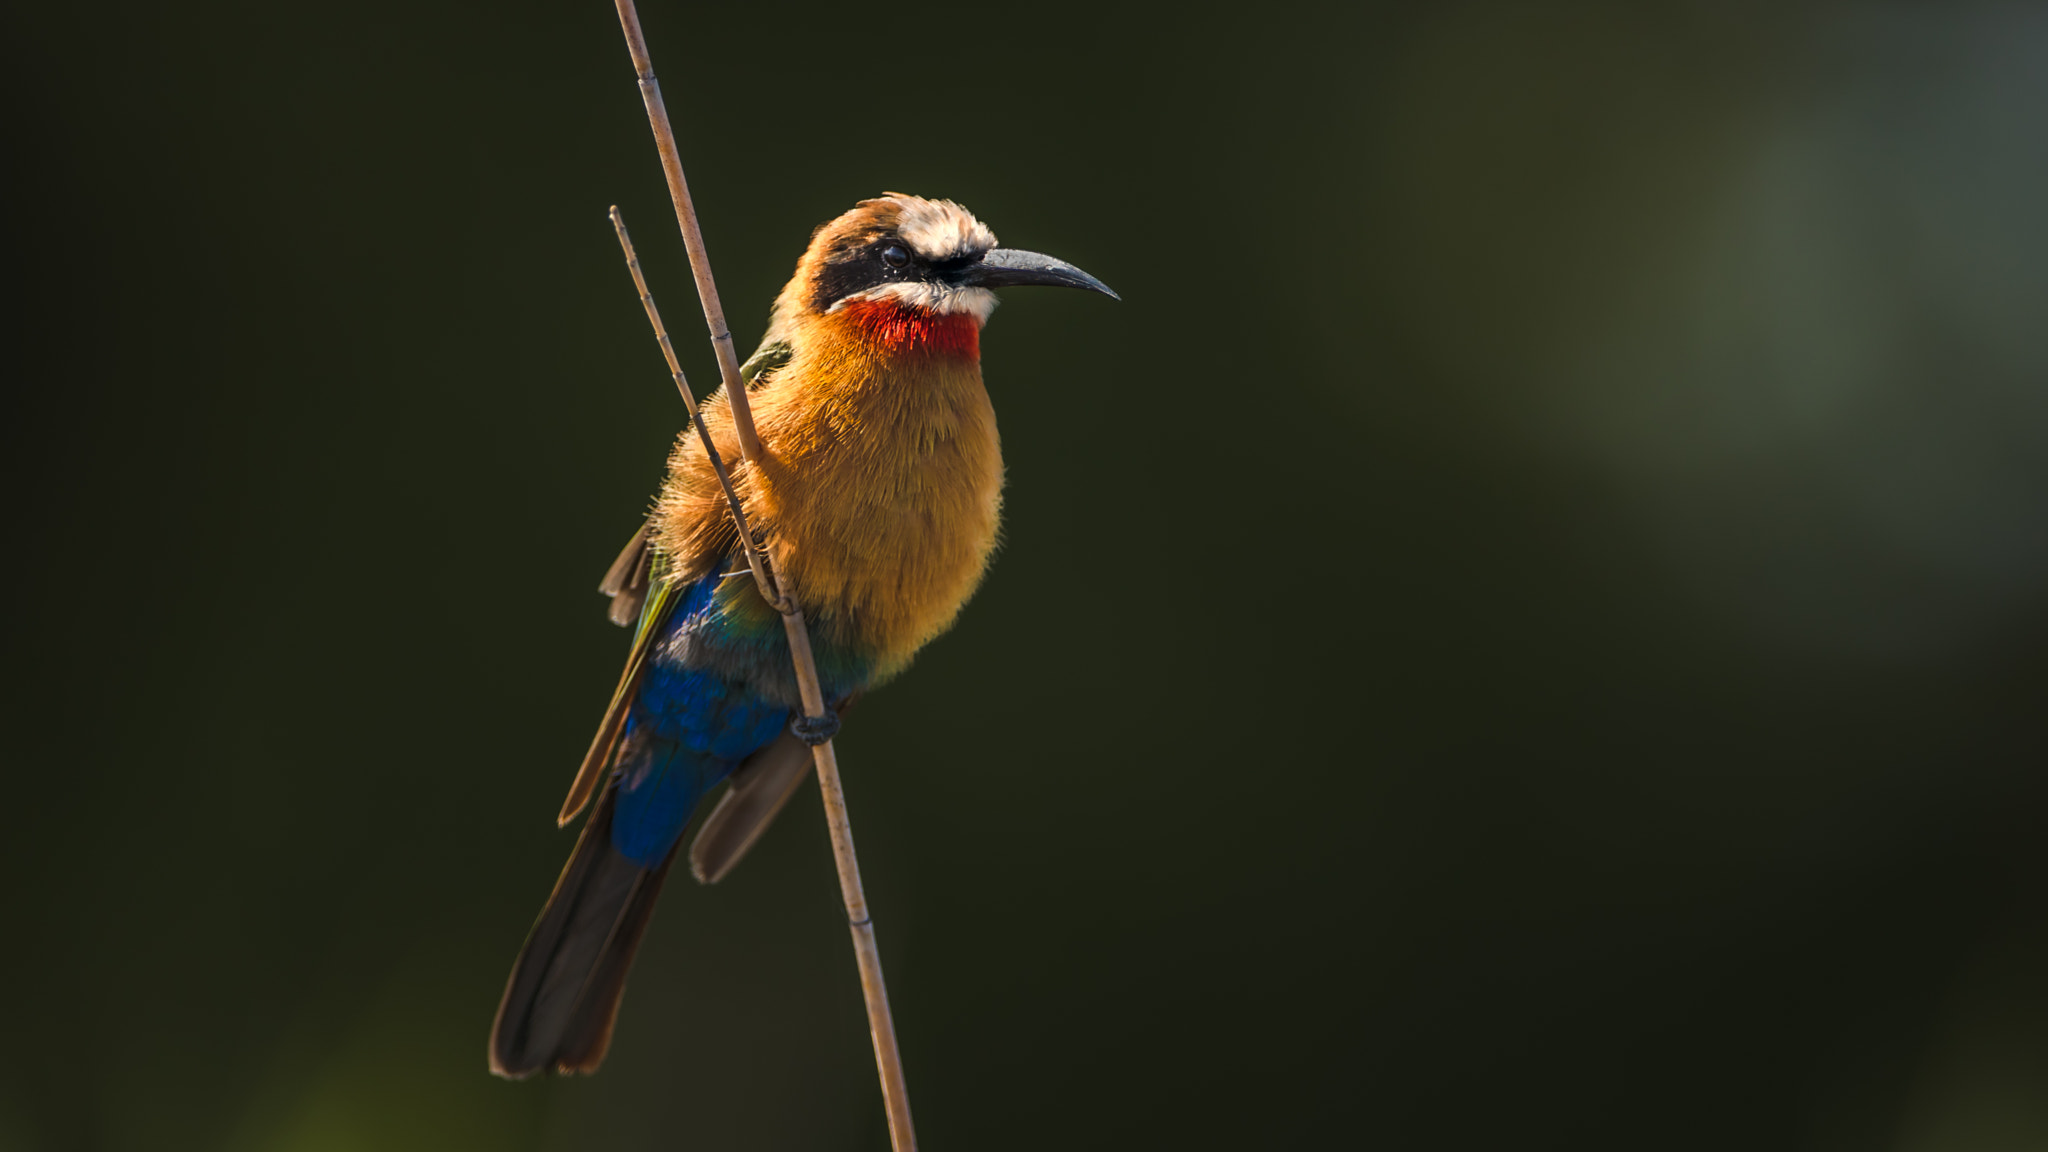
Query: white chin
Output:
(939,298)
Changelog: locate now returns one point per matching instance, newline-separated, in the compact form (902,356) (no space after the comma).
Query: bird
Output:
(878,495)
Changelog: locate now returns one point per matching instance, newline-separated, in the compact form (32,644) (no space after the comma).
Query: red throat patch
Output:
(907,329)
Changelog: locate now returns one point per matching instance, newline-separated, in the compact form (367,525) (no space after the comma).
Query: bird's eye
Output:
(895,256)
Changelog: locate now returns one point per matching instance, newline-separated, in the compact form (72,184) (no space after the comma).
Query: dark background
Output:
(1527,628)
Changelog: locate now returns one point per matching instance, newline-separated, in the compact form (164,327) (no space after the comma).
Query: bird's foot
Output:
(815,730)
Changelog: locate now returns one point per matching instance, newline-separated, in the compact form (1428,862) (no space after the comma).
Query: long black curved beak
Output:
(1009,267)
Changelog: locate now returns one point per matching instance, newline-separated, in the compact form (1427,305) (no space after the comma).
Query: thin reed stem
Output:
(881,1022)
(693,237)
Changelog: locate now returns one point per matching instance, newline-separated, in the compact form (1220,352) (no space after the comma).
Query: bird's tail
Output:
(564,991)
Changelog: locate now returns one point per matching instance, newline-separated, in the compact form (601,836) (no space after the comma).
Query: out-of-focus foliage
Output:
(1527,628)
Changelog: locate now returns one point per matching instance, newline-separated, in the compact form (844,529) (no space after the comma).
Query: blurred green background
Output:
(1527,628)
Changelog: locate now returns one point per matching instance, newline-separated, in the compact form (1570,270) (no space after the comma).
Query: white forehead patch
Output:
(940,229)
(940,298)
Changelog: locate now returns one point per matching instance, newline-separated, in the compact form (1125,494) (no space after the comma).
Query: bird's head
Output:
(929,259)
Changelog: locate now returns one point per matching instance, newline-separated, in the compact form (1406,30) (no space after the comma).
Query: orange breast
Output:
(882,488)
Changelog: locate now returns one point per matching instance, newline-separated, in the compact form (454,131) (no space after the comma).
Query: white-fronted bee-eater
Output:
(877,494)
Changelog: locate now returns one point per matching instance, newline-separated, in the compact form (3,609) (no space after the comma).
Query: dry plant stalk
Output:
(881,1025)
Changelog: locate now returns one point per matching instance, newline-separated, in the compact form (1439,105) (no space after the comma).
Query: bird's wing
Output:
(639,592)
(773,353)
(627,579)
(775,349)
(660,600)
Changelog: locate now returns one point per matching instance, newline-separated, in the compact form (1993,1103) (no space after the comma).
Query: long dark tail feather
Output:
(760,789)
(564,991)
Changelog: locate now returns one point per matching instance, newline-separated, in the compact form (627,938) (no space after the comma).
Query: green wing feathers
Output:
(658,594)
(773,353)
